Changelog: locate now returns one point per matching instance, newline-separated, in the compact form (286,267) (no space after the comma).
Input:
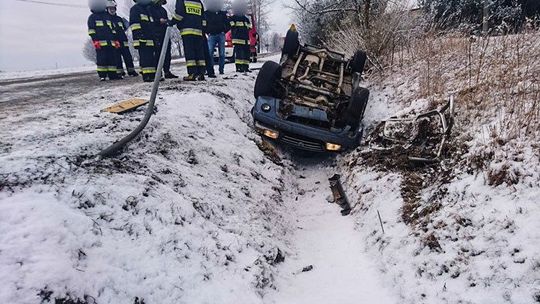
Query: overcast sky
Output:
(35,35)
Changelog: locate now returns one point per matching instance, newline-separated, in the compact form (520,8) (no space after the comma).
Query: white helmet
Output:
(214,5)
(97,5)
(240,7)
(111,3)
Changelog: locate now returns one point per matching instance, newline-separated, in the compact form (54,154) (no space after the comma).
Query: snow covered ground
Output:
(33,74)
(195,212)
(328,263)
(56,72)
(192,212)
(467,230)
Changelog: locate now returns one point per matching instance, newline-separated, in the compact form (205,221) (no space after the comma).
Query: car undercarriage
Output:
(311,99)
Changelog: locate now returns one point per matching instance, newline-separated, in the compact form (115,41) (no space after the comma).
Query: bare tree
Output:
(261,11)
(276,42)
(375,26)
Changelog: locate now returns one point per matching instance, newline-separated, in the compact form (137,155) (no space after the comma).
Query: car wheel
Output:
(358,62)
(266,80)
(291,44)
(357,106)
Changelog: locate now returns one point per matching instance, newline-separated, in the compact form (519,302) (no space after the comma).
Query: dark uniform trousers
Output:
(242,56)
(106,62)
(148,61)
(167,63)
(125,53)
(194,53)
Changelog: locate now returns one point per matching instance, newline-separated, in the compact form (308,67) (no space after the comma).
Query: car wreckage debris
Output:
(421,137)
(340,197)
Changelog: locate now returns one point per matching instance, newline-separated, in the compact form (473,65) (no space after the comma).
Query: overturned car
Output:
(311,100)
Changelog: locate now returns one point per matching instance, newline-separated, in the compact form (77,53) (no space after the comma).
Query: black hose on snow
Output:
(119,145)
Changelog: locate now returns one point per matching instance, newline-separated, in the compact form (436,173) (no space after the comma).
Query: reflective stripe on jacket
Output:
(142,25)
(190,17)
(100,28)
(240,26)
(119,26)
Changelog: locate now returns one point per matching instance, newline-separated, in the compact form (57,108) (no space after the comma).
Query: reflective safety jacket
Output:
(190,17)
(142,26)
(119,25)
(240,27)
(159,12)
(100,28)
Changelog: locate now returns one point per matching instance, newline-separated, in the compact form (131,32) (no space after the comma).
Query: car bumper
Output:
(301,136)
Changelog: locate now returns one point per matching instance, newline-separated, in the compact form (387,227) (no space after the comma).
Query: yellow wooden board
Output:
(126,105)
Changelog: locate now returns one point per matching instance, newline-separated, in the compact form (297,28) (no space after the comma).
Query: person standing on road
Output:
(120,25)
(100,30)
(142,27)
(240,26)
(217,24)
(161,19)
(189,18)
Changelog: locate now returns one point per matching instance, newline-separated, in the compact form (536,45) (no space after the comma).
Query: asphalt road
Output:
(43,89)
(53,87)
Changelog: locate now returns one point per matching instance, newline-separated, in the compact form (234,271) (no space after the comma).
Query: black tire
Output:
(291,44)
(357,107)
(266,80)
(358,62)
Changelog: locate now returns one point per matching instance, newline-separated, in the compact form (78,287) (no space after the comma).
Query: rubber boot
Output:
(190,77)
(169,75)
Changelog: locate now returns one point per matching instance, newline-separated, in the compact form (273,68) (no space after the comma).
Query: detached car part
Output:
(340,197)
(422,136)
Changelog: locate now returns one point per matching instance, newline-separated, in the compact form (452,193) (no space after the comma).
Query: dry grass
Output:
(496,82)
(495,79)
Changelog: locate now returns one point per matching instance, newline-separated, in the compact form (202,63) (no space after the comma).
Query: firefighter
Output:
(143,29)
(217,24)
(240,27)
(190,21)
(100,29)
(161,18)
(119,25)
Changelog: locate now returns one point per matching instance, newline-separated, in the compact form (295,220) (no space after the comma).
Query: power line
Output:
(53,3)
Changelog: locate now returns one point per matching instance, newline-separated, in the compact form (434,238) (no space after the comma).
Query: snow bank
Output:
(467,230)
(192,213)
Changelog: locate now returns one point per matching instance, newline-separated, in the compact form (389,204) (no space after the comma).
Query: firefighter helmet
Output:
(239,7)
(97,5)
(214,5)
